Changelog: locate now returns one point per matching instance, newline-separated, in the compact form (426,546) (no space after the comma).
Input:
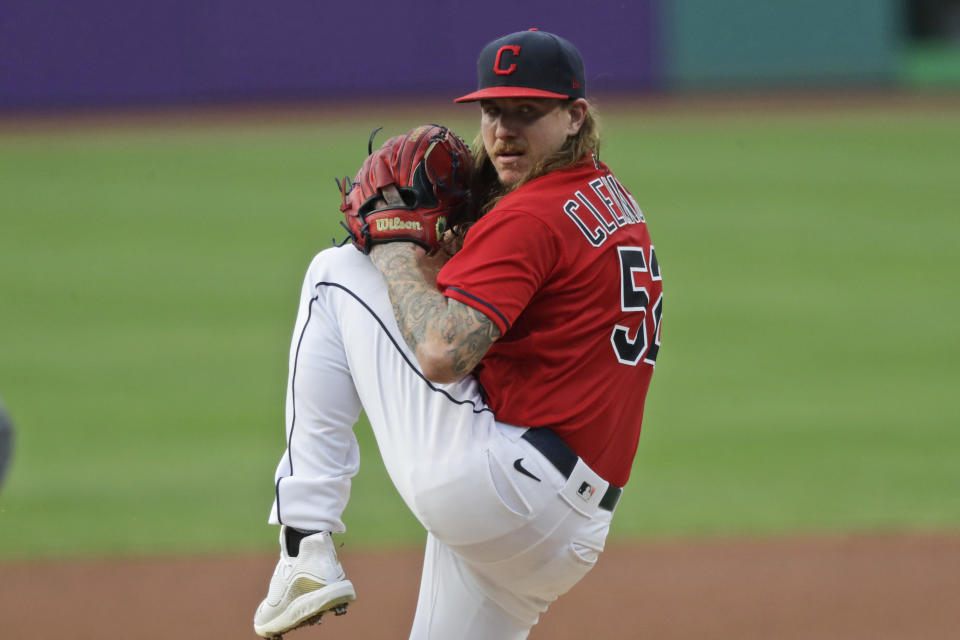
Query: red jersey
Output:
(564,266)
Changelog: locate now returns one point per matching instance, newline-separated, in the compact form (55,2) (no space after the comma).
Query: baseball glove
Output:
(407,189)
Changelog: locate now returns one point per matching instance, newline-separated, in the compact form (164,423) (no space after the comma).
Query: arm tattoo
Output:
(468,334)
(424,314)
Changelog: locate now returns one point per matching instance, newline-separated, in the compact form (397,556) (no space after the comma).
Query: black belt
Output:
(564,459)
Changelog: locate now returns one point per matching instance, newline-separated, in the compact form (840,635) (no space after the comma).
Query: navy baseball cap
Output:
(528,64)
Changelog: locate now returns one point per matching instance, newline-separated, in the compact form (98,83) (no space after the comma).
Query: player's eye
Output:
(529,112)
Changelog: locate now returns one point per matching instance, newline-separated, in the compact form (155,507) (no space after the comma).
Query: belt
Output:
(564,459)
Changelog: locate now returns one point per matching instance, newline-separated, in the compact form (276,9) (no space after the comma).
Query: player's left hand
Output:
(406,189)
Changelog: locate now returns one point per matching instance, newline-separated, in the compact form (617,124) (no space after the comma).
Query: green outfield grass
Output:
(149,281)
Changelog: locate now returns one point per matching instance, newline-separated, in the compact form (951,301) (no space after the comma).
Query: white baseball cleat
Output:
(303,587)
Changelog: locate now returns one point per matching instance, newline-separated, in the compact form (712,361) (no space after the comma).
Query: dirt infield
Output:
(849,588)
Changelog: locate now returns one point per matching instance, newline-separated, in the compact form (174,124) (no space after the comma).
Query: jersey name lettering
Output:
(602,209)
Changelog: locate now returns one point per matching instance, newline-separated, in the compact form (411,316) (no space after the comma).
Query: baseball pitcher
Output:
(505,387)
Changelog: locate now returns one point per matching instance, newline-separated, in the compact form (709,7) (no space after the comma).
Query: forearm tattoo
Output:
(424,314)
(468,335)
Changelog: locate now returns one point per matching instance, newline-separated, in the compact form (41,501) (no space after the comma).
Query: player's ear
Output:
(577,110)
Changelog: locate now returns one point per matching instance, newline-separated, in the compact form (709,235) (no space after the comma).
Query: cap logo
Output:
(497,63)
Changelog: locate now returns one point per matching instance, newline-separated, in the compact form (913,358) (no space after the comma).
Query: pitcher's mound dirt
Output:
(843,588)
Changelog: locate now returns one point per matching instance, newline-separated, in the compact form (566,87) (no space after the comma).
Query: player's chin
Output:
(510,175)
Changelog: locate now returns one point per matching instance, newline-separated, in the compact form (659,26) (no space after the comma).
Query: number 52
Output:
(636,299)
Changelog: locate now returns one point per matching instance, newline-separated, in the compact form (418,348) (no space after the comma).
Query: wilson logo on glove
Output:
(406,190)
(395,224)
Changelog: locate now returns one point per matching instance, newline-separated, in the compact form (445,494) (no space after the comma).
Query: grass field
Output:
(149,279)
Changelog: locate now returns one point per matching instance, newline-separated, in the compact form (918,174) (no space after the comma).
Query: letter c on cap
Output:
(512,48)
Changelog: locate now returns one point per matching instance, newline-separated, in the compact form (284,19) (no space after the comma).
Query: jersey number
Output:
(637,299)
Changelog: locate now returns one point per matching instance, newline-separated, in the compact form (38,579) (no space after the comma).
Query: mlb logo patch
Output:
(586,491)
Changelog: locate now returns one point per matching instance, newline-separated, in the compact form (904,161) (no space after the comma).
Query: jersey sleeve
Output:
(504,261)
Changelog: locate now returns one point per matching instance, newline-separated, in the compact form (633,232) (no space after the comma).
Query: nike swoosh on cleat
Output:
(519,467)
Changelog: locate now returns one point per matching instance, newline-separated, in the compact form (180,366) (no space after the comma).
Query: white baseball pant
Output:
(502,543)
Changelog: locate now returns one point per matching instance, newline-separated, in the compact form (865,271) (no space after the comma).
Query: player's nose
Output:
(506,127)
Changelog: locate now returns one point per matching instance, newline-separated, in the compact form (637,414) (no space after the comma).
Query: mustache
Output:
(502,148)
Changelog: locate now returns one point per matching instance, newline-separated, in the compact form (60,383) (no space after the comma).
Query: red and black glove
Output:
(405,190)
